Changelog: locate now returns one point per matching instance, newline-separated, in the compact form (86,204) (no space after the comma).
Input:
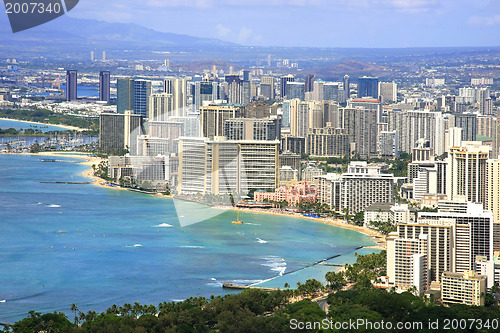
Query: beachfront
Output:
(92,160)
(377,236)
(72,128)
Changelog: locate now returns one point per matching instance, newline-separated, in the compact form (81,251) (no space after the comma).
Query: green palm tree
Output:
(74,308)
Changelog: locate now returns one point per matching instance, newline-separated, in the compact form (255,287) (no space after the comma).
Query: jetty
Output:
(230,285)
(333,265)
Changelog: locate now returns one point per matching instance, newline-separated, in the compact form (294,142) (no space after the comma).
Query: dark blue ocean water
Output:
(63,244)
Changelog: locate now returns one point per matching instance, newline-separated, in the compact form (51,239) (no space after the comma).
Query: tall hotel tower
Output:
(104,86)
(71,85)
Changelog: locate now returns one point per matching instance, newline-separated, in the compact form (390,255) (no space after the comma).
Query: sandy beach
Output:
(91,160)
(86,160)
(72,128)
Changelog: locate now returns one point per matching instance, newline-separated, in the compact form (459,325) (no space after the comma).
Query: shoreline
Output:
(87,161)
(67,127)
(376,236)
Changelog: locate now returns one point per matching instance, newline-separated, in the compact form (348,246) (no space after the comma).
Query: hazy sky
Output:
(323,23)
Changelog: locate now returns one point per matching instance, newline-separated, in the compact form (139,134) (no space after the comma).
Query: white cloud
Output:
(222,31)
(414,5)
(244,35)
(486,21)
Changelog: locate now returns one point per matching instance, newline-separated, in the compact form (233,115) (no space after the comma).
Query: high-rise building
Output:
(368,87)
(493,188)
(191,124)
(472,229)
(347,89)
(466,172)
(388,144)
(463,288)
(253,129)
(434,82)
(415,125)
(245,92)
(104,86)
(178,88)
(295,90)
(368,103)
(291,160)
(485,125)
(246,75)
(162,137)
(286,114)
(283,85)
(361,186)
(316,115)
(142,91)
(468,123)
(160,106)
(495,137)
(318,93)
(125,95)
(330,112)
(259,110)
(388,91)
(213,118)
(206,90)
(484,100)
(299,118)
(71,85)
(293,144)
(327,141)
(361,126)
(309,83)
(234,86)
(227,166)
(267,87)
(481,81)
(440,243)
(119,131)
(407,261)
(331,91)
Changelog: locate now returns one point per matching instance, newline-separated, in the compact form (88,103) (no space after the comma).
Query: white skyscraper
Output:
(178,88)
(388,91)
(466,172)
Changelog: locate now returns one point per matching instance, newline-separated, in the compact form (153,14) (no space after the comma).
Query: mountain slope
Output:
(70,30)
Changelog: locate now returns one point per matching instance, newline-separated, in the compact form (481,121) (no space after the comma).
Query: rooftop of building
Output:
(380,206)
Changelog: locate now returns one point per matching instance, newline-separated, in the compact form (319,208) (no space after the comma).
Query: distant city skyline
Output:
(313,23)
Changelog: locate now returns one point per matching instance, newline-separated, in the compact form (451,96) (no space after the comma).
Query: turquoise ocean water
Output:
(23,125)
(63,244)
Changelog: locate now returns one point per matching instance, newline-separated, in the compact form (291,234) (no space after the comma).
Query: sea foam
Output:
(276,264)
(163,225)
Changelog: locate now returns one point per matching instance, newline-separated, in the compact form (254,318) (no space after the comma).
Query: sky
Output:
(312,23)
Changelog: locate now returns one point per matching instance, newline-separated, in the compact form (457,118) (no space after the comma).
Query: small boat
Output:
(238,219)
